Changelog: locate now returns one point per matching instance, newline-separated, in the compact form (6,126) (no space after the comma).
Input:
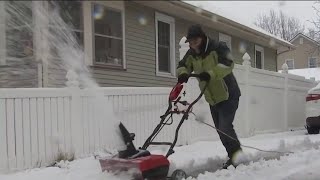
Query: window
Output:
(259,57)
(19,35)
(165,45)
(71,13)
(108,35)
(227,39)
(290,63)
(313,63)
(301,40)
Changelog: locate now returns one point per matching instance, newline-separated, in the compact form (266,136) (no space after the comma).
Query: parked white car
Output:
(313,110)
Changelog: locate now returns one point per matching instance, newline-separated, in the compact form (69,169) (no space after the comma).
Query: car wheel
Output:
(312,130)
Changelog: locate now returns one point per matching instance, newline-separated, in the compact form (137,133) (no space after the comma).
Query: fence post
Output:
(285,96)
(73,86)
(248,124)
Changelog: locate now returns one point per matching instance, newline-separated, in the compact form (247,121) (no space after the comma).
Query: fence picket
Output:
(41,132)
(47,126)
(31,125)
(34,132)
(11,134)
(61,128)
(54,140)
(26,132)
(3,136)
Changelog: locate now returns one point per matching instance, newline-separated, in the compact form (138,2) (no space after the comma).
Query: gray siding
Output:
(19,73)
(140,57)
(140,53)
(270,59)
(56,73)
(237,54)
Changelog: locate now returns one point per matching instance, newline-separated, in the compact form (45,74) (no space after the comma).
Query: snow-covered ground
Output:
(203,159)
(307,73)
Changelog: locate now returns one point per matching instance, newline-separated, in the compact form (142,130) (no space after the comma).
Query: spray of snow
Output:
(57,38)
(142,20)
(242,47)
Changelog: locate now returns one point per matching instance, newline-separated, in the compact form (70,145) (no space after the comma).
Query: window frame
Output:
(292,63)
(171,21)
(316,59)
(116,6)
(73,29)
(260,49)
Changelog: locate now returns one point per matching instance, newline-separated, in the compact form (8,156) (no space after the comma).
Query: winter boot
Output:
(227,164)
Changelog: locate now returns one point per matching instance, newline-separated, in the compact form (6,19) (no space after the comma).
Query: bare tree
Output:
(315,33)
(279,24)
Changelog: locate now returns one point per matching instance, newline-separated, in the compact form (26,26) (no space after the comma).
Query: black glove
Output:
(183,78)
(204,76)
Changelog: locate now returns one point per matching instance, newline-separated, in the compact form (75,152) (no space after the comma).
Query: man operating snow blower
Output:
(213,62)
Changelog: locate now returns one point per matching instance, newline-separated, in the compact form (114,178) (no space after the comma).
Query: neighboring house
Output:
(304,55)
(129,43)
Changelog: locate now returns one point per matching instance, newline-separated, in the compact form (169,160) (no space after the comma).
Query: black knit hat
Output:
(195,31)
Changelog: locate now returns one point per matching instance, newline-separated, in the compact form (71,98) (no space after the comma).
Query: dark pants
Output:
(223,115)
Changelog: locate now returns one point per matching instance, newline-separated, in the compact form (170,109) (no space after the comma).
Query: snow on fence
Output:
(35,124)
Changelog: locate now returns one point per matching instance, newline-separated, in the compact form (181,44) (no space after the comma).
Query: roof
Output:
(235,21)
(222,22)
(301,34)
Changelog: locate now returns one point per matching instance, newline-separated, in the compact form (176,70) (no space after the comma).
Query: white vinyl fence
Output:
(36,124)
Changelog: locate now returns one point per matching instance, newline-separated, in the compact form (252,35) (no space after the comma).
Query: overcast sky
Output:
(247,11)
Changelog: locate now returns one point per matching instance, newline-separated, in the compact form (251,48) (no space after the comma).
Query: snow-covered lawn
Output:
(202,160)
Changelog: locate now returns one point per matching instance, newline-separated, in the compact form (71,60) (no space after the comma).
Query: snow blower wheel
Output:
(312,130)
(178,175)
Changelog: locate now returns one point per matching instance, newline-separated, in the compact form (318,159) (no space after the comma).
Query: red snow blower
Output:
(143,164)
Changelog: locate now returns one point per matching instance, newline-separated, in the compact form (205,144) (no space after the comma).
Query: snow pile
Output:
(203,160)
(308,73)
(209,156)
(315,89)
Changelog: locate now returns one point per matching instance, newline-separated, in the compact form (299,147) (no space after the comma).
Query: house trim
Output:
(170,20)
(304,36)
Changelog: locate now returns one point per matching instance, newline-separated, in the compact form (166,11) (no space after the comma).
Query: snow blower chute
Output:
(141,162)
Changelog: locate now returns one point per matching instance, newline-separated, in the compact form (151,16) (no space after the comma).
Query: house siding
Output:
(19,74)
(300,55)
(140,52)
(56,73)
(270,59)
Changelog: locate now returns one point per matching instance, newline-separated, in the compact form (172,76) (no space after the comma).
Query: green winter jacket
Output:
(208,61)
